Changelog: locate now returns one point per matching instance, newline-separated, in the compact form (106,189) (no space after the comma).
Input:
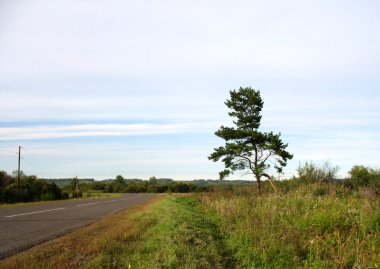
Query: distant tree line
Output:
(35,189)
(121,185)
(31,189)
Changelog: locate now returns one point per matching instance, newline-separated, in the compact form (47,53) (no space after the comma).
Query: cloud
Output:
(143,68)
(187,37)
(88,130)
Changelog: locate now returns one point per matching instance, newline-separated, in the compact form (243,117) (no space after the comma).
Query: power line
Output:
(7,156)
(36,165)
(9,144)
(7,150)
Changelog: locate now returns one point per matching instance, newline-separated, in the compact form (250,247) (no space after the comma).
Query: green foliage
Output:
(246,147)
(31,189)
(313,225)
(307,226)
(181,187)
(361,176)
(34,189)
(136,187)
(310,172)
(175,233)
(65,182)
(119,184)
(153,180)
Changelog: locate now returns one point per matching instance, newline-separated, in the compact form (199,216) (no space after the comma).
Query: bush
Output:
(361,176)
(74,194)
(180,187)
(320,192)
(310,172)
(31,189)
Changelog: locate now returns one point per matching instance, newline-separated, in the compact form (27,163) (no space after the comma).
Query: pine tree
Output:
(246,147)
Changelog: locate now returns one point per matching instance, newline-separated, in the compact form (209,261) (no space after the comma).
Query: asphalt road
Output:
(25,226)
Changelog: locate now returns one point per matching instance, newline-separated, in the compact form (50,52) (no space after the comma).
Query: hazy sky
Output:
(137,88)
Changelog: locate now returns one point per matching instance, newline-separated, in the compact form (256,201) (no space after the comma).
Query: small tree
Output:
(153,180)
(362,176)
(310,172)
(120,180)
(246,146)
(119,185)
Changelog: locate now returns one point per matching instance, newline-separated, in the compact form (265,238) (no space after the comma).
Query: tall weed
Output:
(319,225)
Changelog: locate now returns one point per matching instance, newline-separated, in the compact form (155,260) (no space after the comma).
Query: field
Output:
(317,225)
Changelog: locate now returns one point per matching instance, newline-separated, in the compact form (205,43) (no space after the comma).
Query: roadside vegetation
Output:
(31,189)
(174,232)
(34,189)
(309,221)
(318,225)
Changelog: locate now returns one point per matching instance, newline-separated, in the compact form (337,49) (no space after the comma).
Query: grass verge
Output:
(76,249)
(173,232)
(311,226)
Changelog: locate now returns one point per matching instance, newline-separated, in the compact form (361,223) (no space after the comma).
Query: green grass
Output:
(300,229)
(175,233)
(307,226)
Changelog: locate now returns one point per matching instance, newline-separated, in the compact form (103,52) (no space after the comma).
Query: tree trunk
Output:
(258,184)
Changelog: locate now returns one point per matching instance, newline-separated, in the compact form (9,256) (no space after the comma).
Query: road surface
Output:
(25,226)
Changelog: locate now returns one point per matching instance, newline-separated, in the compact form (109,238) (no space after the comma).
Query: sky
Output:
(96,89)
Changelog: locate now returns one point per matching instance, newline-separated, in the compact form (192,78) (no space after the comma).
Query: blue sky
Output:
(137,88)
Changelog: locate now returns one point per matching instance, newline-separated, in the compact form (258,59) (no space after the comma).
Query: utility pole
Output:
(18,173)
(77,181)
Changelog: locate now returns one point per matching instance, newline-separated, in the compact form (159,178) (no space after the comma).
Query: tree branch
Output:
(261,155)
(248,160)
(270,181)
(270,154)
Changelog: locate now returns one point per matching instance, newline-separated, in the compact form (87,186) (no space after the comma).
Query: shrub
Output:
(310,172)
(361,176)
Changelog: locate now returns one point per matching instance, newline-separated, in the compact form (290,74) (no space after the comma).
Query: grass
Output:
(173,232)
(76,249)
(313,226)
(307,226)
(86,196)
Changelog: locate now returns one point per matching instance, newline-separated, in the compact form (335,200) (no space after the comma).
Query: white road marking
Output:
(109,201)
(35,212)
(61,208)
(88,204)
(129,198)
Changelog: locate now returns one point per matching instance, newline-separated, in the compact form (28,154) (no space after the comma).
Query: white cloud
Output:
(87,130)
(142,38)
(171,64)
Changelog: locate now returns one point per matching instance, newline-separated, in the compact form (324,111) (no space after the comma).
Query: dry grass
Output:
(311,226)
(306,226)
(77,248)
